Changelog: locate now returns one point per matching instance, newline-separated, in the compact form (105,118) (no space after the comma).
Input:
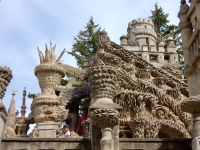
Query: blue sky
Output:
(26,24)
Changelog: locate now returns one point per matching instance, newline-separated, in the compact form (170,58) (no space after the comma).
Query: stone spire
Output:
(11,120)
(22,126)
(23,107)
(11,110)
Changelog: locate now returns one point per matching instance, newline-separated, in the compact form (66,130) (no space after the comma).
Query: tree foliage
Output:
(162,26)
(86,42)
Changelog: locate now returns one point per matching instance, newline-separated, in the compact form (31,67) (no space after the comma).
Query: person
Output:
(81,119)
(66,131)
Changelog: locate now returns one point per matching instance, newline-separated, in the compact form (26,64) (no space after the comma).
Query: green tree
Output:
(86,42)
(162,26)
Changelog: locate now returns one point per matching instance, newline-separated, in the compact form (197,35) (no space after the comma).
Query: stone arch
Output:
(170,128)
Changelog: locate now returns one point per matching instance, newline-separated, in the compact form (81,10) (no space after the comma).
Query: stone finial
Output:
(49,56)
(23,107)
(11,110)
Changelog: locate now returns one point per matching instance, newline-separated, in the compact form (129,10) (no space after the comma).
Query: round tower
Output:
(145,34)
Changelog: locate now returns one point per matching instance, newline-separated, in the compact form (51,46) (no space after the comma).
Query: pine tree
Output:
(162,26)
(86,42)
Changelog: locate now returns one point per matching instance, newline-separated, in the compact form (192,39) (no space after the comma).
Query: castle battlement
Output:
(144,21)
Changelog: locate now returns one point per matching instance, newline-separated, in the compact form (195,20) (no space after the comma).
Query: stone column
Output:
(102,79)
(5,78)
(22,126)
(191,71)
(106,119)
(3,115)
(185,27)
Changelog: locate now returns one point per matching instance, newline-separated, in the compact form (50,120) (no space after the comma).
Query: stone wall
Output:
(45,144)
(84,144)
(155,144)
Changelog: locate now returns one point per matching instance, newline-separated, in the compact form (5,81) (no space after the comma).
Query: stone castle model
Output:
(135,93)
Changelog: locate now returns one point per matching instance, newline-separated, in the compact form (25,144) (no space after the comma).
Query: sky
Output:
(26,24)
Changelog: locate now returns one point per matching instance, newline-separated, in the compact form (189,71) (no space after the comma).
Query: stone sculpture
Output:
(47,108)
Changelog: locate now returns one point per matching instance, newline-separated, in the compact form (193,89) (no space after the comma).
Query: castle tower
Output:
(143,40)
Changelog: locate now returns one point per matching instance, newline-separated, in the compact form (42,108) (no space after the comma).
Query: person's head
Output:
(66,127)
(84,111)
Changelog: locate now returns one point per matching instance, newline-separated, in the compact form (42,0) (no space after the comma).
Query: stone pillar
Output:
(106,119)
(5,78)
(145,56)
(74,115)
(106,142)
(115,137)
(185,27)
(160,58)
(103,112)
(197,6)
(3,115)
(161,47)
(124,40)
(171,47)
(22,126)
(173,58)
(192,66)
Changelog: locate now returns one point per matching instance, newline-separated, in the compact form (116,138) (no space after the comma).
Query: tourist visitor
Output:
(81,119)
(66,131)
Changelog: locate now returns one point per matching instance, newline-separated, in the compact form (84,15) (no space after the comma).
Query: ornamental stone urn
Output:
(102,79)
(46,106)
(104,113)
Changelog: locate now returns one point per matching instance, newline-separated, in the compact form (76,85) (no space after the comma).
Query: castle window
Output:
(166,58)
(153,58)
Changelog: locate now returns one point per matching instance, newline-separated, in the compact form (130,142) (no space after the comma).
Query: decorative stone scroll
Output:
(107,46)
(169,127)
(174,69)
(138,127)
(191,104)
